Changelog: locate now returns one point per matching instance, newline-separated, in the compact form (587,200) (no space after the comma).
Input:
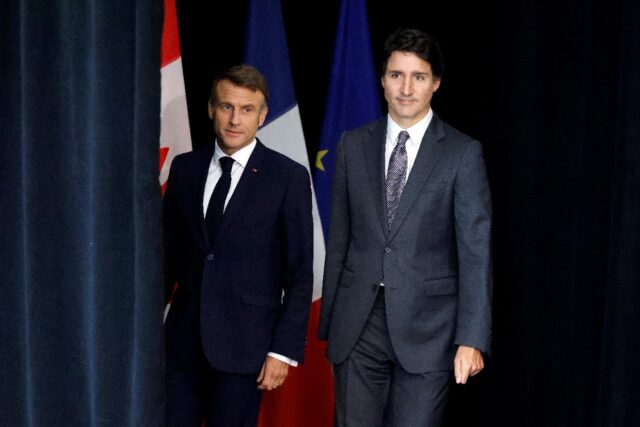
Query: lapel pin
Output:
(254,170)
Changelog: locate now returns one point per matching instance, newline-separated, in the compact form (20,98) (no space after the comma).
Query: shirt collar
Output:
(241,156)
(416,132)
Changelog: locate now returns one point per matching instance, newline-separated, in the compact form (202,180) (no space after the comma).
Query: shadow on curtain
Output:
(81,295)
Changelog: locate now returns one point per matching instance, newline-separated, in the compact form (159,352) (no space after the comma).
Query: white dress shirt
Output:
(416,132)
(241,158)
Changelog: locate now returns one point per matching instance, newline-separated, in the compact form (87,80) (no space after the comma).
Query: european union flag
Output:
(353,95)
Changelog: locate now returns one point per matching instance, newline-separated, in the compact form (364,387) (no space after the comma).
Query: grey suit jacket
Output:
(435,261)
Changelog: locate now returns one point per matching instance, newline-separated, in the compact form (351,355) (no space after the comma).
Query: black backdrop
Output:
(551,89)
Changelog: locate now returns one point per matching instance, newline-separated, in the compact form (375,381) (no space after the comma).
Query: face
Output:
(408,85)
(237,113)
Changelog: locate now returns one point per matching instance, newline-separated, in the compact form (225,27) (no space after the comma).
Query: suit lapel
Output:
(431,149)
(373,152)
(199,181)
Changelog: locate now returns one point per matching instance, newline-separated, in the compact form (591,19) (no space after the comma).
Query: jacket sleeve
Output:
(338,241)
(291,330)
(472,211)
(170,230)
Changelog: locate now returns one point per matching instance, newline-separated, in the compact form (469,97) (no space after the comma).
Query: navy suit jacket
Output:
(248,292)
(435,261)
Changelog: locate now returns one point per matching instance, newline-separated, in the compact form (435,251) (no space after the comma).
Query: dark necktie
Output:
(218,197)
(396,176)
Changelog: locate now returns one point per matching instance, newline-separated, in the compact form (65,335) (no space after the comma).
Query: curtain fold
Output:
(619,372)
(81,317)
(564,168)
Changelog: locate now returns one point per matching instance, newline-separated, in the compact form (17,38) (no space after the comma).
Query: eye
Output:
(225,107)
(394,75)
(421,77)
(247,109)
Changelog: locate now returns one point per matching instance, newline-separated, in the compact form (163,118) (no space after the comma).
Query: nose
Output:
(235,117)
(407,87)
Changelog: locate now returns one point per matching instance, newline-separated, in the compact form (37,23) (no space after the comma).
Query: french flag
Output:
(306,398)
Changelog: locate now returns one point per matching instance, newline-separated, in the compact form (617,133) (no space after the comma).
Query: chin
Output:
(406,114)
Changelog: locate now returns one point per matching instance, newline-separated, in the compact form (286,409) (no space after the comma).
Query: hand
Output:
(468,362)
(272,374)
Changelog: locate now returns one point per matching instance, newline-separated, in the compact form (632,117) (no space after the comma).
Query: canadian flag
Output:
(175,136)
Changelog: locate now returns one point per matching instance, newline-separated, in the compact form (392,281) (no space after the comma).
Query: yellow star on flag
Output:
(319,156)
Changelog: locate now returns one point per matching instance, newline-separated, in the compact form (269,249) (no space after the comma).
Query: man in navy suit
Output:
(239,246)
(406,295)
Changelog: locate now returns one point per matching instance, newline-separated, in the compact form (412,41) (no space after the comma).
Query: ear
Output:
(436,83)
(263,115)
(211,108)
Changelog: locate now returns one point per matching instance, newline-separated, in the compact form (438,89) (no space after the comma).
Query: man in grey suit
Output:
(407,281)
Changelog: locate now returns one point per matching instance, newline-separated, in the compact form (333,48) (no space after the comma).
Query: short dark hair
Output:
(418,42)
(244,76)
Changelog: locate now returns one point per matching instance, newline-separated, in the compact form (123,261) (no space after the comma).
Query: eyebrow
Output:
(413,73)
(237,106)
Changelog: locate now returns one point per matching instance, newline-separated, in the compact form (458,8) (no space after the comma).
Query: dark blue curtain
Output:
(80,254)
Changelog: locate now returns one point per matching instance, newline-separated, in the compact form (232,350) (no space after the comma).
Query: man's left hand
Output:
(272,374)
(468,362)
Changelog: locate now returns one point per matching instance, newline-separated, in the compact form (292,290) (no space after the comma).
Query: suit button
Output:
(387,250)
(210,257)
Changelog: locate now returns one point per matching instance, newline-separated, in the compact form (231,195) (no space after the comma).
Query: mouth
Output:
(232,132)
(405,101)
